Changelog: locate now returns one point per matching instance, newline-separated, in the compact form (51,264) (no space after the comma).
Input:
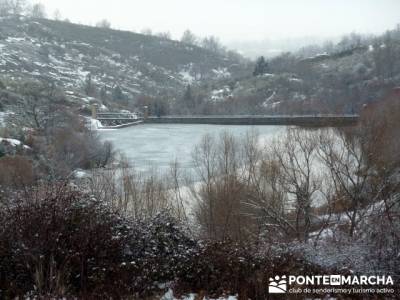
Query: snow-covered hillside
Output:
(73,56)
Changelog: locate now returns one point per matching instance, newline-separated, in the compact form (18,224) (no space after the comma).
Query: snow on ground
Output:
(88,99)
(326,233)
(3,115)
(103,108)
(14,39)
(221,94)
(187,77)
(79,174)
(267,101)
(94,124)
(268,75)
(13,142)
(222,73)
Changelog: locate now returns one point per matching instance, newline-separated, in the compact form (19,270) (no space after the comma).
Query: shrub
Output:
(160,251)
(16,171)
(71,149)
(60,243)
(229,268)
(224,268)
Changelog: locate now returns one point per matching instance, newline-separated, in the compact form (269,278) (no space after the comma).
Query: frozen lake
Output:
(157,145)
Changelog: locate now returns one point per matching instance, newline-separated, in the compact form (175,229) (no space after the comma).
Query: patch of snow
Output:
(79,174)
(267,101)
(94,124)
(39,64)
(221,94)
(110,61)
(298,96)
(324,66)
(82,74)
(275,104)
(56,61)
(221,73)
(103,108)
(324,234)
(271,97)
(268,75)
(187,77)
(3,116)
(15,39)
(135,58)
(322,55)
(88,99)
(14,142)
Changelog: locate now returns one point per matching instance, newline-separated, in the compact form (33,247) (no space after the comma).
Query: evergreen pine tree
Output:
(261,66)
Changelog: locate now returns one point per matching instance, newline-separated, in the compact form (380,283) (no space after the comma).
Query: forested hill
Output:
(111,67)
(333,78)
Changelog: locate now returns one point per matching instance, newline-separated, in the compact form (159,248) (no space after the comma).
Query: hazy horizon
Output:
(239,24)
(238,20)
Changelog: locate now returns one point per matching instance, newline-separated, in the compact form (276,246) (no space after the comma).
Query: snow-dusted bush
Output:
(57,242)
(229,268)
(159,251)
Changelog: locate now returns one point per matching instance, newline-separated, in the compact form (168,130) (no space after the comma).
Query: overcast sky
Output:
(237,19)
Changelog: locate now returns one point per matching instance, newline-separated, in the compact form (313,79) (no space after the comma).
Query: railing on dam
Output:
(117,116)
(298,120)
(112,119)
(262,116)
(119,119)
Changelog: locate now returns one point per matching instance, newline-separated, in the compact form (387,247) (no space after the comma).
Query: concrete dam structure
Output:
(125,119)
(295,120)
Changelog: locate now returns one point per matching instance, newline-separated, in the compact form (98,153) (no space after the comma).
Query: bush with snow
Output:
(62,243)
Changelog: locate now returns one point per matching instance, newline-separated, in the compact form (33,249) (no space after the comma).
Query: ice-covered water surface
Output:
(157,145)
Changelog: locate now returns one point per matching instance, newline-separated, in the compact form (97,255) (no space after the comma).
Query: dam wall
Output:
(307,121)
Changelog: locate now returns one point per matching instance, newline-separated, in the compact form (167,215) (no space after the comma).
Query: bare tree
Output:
(103,24)
(189,38)
(164,35)
(227,170)
(38,104)
(213,44)
(4,8)
(385,52)
(136,194)
(343,155)
(268,201)
(221,191)
(146,31)
(205,157)
(299,179)
(38,10)
(57,15)
(14,7)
